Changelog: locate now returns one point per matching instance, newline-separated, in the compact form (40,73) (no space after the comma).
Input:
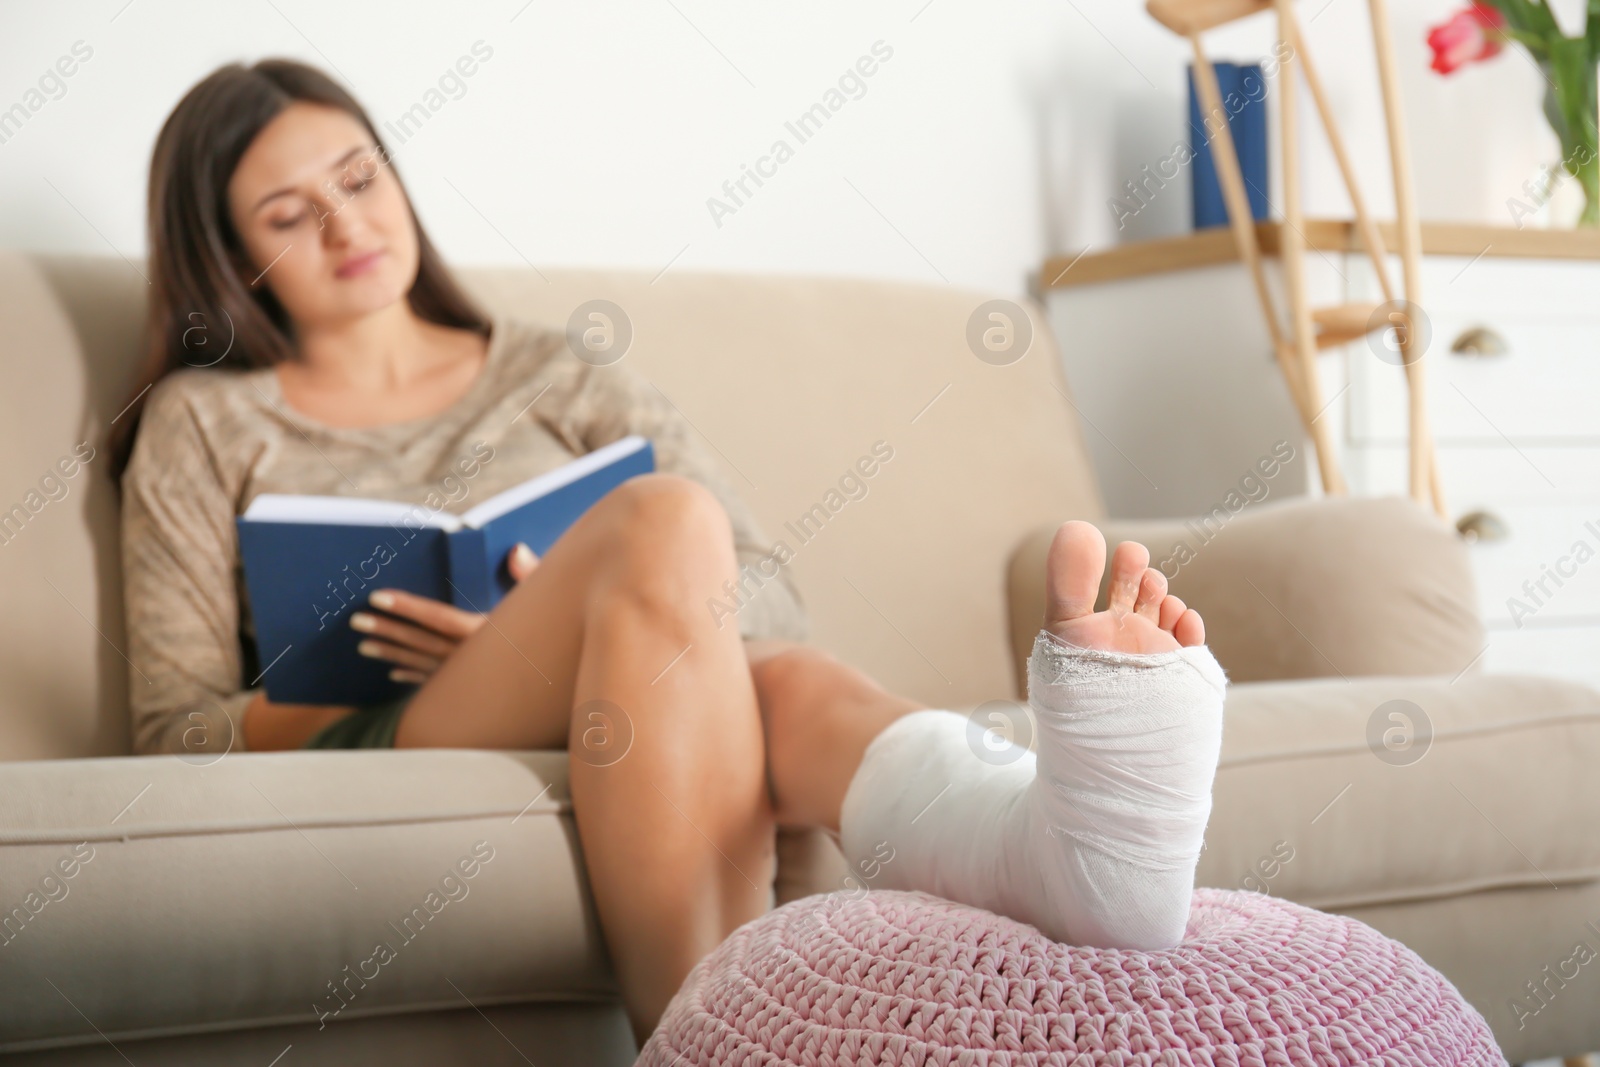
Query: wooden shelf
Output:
(1210,247)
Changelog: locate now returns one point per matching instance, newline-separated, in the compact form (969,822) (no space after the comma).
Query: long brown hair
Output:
(198,267)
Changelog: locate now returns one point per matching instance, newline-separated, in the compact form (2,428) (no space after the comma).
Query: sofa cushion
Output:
(1383,790)
(162,895)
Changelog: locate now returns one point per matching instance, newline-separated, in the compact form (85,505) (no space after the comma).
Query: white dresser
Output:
(1169,362)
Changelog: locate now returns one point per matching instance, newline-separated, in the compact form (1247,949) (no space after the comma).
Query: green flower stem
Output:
(1568,64)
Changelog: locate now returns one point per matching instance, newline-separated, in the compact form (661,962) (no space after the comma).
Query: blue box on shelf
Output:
(1244,97)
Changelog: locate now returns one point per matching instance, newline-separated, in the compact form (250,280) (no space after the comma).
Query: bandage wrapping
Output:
(1093,839)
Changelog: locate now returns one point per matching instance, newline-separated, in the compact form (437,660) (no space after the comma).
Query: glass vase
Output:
(1569,105)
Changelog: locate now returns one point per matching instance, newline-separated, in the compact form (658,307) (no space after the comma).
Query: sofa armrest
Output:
(1331,587)
(250,882)
(180,896)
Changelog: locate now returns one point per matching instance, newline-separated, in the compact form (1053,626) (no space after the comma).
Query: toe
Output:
(1128,565)
(1076,560)
(1172,610)
(1152,591)
(1189,630)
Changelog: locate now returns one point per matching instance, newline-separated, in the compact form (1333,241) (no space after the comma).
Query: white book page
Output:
(346,511)
(548,482)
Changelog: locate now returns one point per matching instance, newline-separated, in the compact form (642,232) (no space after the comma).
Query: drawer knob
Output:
(1480,341)
(1477,526)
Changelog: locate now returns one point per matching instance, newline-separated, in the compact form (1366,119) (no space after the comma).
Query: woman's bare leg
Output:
(819,714)
(616,613)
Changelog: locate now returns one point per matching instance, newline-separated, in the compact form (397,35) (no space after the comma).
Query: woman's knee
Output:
(667,537)
(793,679)
(656,510)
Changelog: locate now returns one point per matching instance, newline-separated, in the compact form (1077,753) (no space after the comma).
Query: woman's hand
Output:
(427,630)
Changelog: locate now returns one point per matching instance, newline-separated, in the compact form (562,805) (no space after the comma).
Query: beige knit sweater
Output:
(210,441)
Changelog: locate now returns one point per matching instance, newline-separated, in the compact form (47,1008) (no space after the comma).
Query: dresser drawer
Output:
(1543,386)
(1546,572)
(1571,652)
(1489,476)
(1547,569)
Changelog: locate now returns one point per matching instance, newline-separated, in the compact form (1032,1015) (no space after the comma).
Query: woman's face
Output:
(323,219)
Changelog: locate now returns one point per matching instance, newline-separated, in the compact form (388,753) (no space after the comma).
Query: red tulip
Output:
(1467,37)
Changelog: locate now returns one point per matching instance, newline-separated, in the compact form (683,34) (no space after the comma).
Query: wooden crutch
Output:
(1371,237)
(1313,329)
(1424,474)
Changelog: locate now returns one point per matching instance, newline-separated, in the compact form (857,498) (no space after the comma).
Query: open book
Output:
(310,561)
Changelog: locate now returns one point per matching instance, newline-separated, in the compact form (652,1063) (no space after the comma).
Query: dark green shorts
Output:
(372,726)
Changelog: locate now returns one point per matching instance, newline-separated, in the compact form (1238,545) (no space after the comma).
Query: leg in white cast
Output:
(1095,839)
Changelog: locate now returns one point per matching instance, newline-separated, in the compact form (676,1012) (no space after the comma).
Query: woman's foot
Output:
(1095,838)
(1128,703)
(1140,616)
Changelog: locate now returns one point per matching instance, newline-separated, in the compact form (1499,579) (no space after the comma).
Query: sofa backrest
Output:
(789,379)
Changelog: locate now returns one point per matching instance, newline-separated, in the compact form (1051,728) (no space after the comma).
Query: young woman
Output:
(306,337)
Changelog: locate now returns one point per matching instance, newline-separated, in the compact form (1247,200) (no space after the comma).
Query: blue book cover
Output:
(310,561)
(1244,96)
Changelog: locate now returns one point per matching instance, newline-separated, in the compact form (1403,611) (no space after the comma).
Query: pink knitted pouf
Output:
(891,978)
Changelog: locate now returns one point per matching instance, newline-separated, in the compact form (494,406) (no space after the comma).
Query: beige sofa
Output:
(213,903)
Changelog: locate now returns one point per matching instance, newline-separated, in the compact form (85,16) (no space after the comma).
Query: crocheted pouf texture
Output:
(887,977)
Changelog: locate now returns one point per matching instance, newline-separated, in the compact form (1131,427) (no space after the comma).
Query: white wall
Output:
(596,132)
